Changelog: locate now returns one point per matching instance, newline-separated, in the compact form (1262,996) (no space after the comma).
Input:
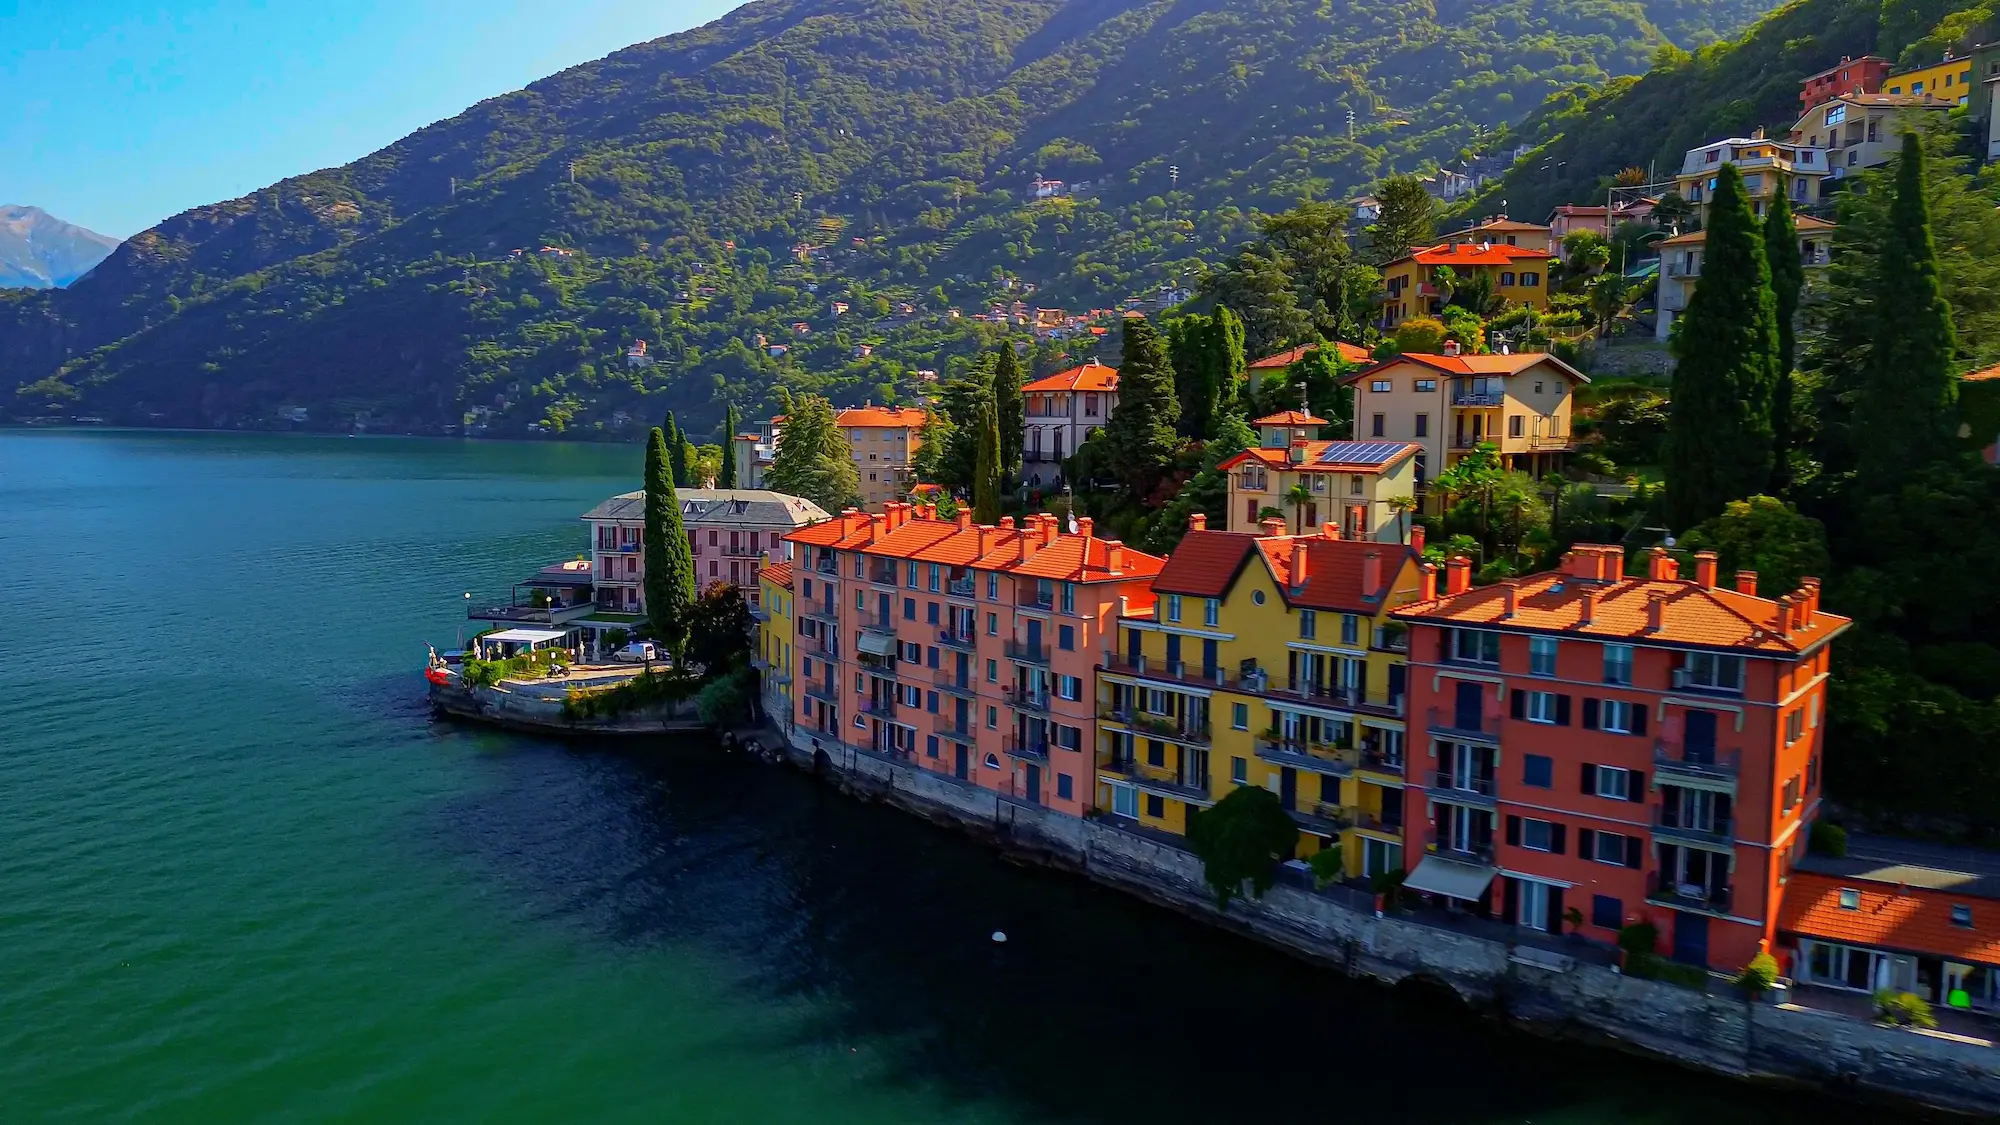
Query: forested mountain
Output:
(40,251)
(727,183)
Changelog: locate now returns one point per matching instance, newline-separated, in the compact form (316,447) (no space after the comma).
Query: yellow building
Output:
(1519,274)
(774,642)
(1450,404)
(1950,79)
(1351,487)
(1267,659)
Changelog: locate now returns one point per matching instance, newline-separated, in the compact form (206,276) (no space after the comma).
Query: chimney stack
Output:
(1611,563)
(1656,612)
(1371,573)
(851,521)
(1784,622)
(877,527)
(1198,522)
(1746,582)
(1006,523)
(1114,556)
(1451,347)
(1458,574)
(1417,540)
(1085,525)
(1427,582)
(1049,530)
(964,518)
(1811,588)
(1330,529)
(1298,451)
(1661,566)
(1508,601)
(1301,554)
(1588,612)
(1270,528)
(1704,570)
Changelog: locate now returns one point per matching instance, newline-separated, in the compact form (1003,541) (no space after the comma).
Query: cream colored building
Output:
(883,440)
(1350,485)
(1763,163)
(1681,259)
(1864,130)
(1448,404)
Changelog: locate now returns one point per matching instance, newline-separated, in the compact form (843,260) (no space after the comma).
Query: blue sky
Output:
(115,114)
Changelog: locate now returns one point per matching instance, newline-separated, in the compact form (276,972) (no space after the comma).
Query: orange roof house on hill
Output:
(1092,376)
(1348,353)
(1060,413)
(1517,274)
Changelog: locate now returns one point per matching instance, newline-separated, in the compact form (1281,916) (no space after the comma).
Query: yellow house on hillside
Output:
(1519,274)
(773,660)
(1950,79)
(1351,487)
(1268,659)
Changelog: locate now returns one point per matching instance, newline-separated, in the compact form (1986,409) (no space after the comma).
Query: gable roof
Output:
(1472,254)
(1206,563)
(907,532)
(1291,418)
(1512,364)
(1331,457)
(778,574)
(1912,915)
(1803,223)
(1334,571)
(1092,376)
(891,417)
(1350,353)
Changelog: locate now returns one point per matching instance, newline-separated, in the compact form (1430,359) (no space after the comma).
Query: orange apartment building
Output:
(1628,748)
(968,651)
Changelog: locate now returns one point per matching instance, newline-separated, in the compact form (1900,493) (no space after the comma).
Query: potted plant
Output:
(1759,977)
(1328,867)
(1574,918)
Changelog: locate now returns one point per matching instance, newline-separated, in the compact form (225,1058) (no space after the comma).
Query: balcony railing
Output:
(1027,749)
(1323,819)
(1382,761)
(632,548)
(1026,653)
(1192,732)
(951,726)
(949,681)
(1445,722)
(1465,788)
(1377,822)
(957,639)
(742,551)
(1553,442)
(882,575)
(823,693)
(534,615)
(1477,398)
(960,588)
(1320,758)
(880,626)
(1037,601)
(1177,671)
(880,708)
(1163,780)
(1026,699)
(1702,763)
(826,566)
(1340,696)
(1688,896)
(1717,831)
(1470,850)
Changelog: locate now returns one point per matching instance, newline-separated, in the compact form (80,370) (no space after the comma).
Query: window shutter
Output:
(1635,785)
(1584,839)
(1556,834)
(1639,718)
(1590,714)
(1562,710)
(1517,702)
(1514,831)
(1633,848)
(1589,779)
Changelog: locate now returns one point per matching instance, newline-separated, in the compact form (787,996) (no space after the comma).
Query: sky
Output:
(115,114)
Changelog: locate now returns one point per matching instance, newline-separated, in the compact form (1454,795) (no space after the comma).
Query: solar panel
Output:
(1359,452)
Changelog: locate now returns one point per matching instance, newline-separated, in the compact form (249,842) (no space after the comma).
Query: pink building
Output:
(965,650)
(730,529)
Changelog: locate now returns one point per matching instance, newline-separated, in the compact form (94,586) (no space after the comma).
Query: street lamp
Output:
(461,622)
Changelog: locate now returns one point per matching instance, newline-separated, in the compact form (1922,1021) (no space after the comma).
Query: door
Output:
(1173,651)
(961,716)
(964,678)
(1132,649)
(1398,675)
(1034,635)
(1700,744)
(1035,784)
(1467,710)
(1208,659)
(1288,787)
(1691,939)
(882,614)
(959,762)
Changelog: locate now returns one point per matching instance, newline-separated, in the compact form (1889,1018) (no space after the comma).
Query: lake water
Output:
(245,876)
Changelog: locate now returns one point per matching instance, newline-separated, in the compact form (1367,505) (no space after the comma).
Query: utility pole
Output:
(1174,176)
(572,171)
(1350,124)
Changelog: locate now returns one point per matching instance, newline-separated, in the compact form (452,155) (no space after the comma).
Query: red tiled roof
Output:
(1092,376)
(1982,374)
(1071,558)
(1206,563)
(905,417)
(1291,418)
(1349,457)
(1498,254)
(1334,571)
(1346,351)
(1473,364)
(1903,918)
(777,574)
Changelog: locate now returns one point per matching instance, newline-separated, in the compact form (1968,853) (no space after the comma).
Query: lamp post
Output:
(461,623)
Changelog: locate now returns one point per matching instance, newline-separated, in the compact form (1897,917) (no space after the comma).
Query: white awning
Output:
(875,644)
(524,636)
(1462,881)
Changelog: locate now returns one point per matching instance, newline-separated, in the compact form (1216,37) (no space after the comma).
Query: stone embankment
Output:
(541,711)
(1539,985)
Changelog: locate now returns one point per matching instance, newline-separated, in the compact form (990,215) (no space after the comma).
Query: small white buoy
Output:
(999,936)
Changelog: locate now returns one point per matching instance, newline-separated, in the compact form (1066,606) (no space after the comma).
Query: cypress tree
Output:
(1726,345)
(986,478)
(730,420)
(1010,411)
(676,452)
(1909,388)
(1190,351)
(669,560)
(1230,367)
(1141,431)
(1788,280)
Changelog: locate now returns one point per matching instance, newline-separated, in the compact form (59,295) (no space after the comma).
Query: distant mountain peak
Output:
(40,251)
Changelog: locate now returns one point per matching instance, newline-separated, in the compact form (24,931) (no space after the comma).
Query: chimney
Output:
(1661,566)
(1049,530)
(1784,622)
(1198,522)
(1006,523)
(1114,556)
(1656,612)
(1746,582)
(1611,563)
(1588,613)
(1085,525)
(1301,556)
(1298,451)
(851,521)
(1031,540)
(1508,601)
(1704,570)
(1269,529)
(1371,573)
(1329,529)
(964,518)
(1451,347)
(1427,582)
(1458,574)
(877,527)
(1417,540)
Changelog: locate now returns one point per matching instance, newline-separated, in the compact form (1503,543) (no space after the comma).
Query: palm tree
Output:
(1298,498)
(1403,506)
(1445,280)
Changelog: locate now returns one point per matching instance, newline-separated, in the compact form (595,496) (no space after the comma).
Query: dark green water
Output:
(244,877)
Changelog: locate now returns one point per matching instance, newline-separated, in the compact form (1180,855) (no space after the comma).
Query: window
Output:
(933,578)
(1514,425)
(1609,847)
(1795,726)
(992,671)
(1211,612)
(1541,707)
(1308,623)
(1606,913)
(993,587)
(1507,277)
(909,609)
(1791,794)
(1714,671)
(1066,638)
(1538,386)
(931,657)
(1850,899)
(1542,656)
(1531,278)
(931,747)
(992,718)
(1173,606)
(1961,916)
(1379,386)
(1257,597)
(1069,687)
(930,613)
(1537,835)
(1376,426)
(1836,114)
(1069,597)
(1423,425)
(1427,386)
(1356,485)
(1239,717)
(1125,801)
(1156,806)
(1618,716)
(1538,770)
(1613,782)
(1475,646)
(992,624)
(910,575)
(1239,770)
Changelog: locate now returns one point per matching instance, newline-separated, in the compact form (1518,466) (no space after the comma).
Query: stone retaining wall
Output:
(1535,985)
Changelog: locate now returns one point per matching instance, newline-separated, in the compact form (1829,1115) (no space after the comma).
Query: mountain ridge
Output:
(40,251)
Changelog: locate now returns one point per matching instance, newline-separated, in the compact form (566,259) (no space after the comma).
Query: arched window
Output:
(992,762)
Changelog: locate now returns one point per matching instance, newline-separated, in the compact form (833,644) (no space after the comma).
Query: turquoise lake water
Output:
(245,877)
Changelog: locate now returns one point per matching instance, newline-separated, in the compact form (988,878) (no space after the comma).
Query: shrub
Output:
(725,700)
(1639,939)
(1904,1009)
(1759,975)
(1240,839)
(1328,865)
(1650,967)
(1389,884)
(616,639)
(1827,839)
(644,690)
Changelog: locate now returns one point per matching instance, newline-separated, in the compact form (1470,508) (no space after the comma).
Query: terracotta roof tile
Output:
(1071,558)
(1346,351)
(903,417)
(1983,374)
(1092,376)
(1474,254)
(1334,571)
(1291,418)
(1332,457)
(1908,919)
(1206,563)
(1472,365)
(778,574)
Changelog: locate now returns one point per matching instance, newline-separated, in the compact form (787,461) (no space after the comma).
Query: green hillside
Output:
(729,182)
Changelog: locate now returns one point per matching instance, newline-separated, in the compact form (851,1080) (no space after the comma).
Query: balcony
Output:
(825,645)
(1026,749)
(1339,697)
(533,615)
(1684,270)
(826,566)
(1676,761)
(1026,699)
(951,726)
(1477,398)
(742,551)
(1717,832)
(1389,825)
(1323,819)
(1461,788)
(1321,758)
(1690,896)
(880,708)
(949,682)
(631,548)
(1161,780)
(880,626)
(1445,846)
(824,693)
(1021,652)
(960,588)
(958,639)
(1044,602)
(1191,732)
(1166,671)
(882,575)
(1382,761)
(1447,723)
(1551,443)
